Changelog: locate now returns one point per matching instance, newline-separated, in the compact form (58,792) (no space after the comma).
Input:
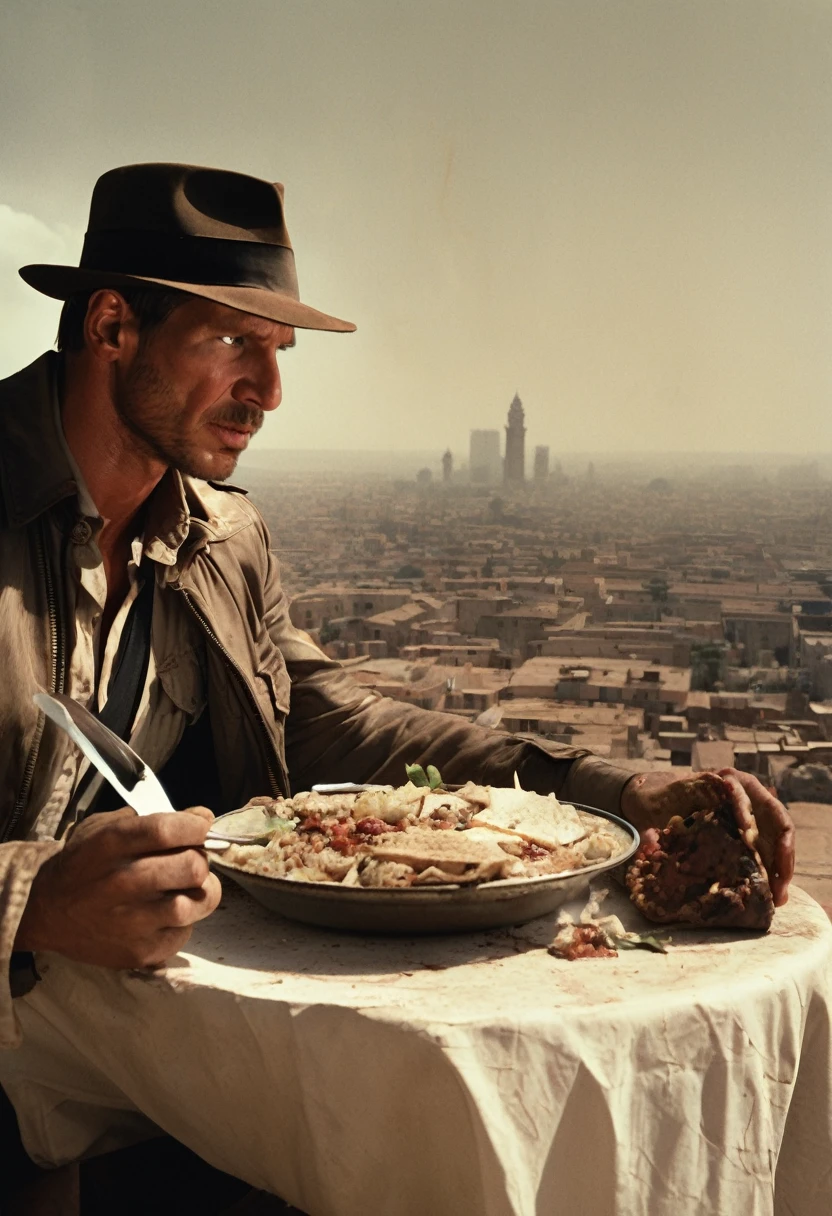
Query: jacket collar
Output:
(37,471)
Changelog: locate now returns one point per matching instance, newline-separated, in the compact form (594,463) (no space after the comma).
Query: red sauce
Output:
(371,826)
(534,852)
(343,844)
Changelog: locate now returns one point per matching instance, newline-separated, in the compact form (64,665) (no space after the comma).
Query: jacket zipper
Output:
(279,789)
(56,677)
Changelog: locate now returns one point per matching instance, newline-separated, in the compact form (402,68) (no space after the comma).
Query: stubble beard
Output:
(149,407)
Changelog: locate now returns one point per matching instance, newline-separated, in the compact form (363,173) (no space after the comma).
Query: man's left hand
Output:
(649,800)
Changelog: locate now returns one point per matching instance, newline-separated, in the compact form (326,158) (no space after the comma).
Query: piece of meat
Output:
(703,870)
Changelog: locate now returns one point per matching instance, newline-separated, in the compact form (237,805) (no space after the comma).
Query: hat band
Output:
(191,259)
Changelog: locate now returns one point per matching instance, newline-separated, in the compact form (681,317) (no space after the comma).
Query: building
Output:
(447,466)
(314,608)
(484,461)
(605,730)
(515,628)
(541,463)
(515,462)
(655,689)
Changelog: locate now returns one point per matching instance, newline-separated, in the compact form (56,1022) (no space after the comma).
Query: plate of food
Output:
(420,857)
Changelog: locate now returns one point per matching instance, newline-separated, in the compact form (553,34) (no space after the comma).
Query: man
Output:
(122,552)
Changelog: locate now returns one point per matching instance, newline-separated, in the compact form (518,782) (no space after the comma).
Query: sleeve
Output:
(19,863)
(338,730)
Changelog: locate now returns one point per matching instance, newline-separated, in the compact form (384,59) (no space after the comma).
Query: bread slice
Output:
(509,841)
(452,852)
(539,818)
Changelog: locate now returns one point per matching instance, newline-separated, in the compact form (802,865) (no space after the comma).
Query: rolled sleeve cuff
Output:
(19,863)
(595,782)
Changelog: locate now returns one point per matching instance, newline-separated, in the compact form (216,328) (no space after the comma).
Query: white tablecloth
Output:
(467,1076)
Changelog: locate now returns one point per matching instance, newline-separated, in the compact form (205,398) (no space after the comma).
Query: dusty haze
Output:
(619,209)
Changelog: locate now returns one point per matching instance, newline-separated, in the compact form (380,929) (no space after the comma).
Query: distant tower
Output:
(447,466)
(590,472)
(541,463)
(484,463)
(515,465)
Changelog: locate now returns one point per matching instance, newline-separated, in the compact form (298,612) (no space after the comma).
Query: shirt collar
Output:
(168,520)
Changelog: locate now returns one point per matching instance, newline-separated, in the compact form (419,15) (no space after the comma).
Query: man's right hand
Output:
(124,891)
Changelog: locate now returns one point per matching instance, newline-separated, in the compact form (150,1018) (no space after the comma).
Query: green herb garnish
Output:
(429,778)
(641,941)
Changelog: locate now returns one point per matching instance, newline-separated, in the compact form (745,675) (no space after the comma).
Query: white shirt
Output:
(159,722)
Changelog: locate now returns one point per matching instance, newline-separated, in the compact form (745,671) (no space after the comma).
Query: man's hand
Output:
(124,891)
(650,799)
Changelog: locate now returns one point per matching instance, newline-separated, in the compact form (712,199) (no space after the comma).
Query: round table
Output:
(469,1076)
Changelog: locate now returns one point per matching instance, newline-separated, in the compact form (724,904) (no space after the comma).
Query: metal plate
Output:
(440,909)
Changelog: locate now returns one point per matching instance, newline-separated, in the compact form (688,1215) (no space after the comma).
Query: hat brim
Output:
(60,282)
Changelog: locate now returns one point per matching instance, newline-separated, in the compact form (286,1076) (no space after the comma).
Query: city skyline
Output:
(258,455)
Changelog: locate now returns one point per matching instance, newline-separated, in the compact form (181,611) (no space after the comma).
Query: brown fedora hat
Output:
(209,232)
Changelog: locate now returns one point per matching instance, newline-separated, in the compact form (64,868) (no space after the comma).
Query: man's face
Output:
(199,385)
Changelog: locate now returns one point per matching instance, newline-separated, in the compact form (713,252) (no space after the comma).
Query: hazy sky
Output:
(621,209)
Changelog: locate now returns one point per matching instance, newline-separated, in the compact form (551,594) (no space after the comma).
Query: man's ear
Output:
(110,326)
